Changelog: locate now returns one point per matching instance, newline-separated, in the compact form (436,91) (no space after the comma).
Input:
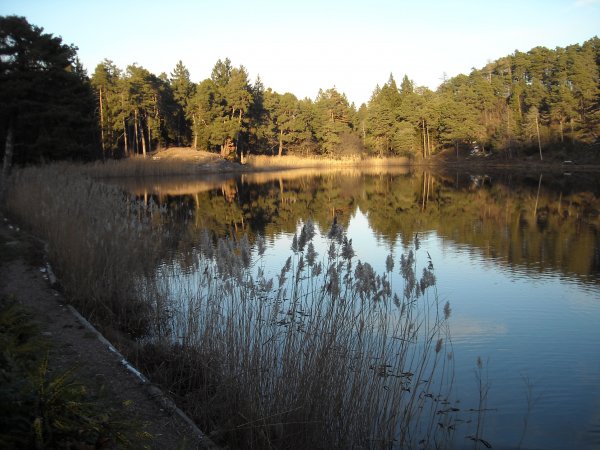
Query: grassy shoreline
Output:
(187,162)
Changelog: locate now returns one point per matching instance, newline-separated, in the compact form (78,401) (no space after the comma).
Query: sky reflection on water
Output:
(535,331)
(520,271)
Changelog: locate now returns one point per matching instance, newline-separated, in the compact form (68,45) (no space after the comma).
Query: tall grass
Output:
(100,241)
(146,167)
(327,354)
(292,161)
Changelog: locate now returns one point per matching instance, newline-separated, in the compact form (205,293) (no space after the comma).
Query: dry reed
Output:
(326,355)
(100,241)
(292,161)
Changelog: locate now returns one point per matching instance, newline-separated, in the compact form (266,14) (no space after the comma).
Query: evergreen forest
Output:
(536,104)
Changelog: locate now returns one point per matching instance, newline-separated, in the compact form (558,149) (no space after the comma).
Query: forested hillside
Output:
(542,102)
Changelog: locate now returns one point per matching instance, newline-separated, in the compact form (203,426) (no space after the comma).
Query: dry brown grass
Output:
(186,161)
(172,161)
(291,161)
(100,241)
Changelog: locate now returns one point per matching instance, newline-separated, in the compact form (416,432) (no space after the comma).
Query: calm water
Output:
(517,257)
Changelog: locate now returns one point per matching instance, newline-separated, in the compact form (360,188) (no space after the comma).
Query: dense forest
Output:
(527,103)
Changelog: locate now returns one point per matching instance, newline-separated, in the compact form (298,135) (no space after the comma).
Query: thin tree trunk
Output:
(9,148)
(143,135)
(126,137)
(195,145)
(537,127)
(572,132)
(428,142)
(135,131)
(179,129)
(562,134)
(280,143)
(508,132)
(149,139)
(101,122)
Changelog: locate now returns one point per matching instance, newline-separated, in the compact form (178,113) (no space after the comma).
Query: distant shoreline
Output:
(184,161)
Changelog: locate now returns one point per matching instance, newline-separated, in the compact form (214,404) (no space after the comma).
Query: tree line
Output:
(527,101)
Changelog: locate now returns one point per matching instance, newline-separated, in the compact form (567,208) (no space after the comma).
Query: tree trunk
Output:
(572,131)
(562,134)
(508,132)
(179,129)
(101,123)
(537,127)
(428,141)
(126,137)
(280,143)
(143,135)
(135,131)
(195,125)
(149,139)
(9,148)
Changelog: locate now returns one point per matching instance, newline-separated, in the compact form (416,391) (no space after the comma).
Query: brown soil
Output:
(74,344)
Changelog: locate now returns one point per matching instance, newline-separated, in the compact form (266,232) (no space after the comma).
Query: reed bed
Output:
(145,167)
(203,163)
(99,240)
(326,354)
(293,161)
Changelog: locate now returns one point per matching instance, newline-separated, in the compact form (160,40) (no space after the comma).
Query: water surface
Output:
(516,255)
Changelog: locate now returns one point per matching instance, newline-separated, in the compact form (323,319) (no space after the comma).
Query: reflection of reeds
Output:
(327,356)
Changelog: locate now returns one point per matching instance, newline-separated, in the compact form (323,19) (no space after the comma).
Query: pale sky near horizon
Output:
(301,46)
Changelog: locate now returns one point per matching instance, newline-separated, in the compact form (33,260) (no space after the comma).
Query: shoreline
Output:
(184,161)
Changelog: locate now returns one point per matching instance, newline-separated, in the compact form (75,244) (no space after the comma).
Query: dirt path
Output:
(76,345)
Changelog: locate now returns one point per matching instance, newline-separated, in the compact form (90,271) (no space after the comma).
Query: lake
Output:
(517,256)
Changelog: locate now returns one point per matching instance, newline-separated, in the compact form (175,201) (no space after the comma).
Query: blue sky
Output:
(301,46)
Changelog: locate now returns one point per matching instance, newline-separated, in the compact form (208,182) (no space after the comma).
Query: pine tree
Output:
(183,90)
(333,118)
(46,102)
(106,81)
